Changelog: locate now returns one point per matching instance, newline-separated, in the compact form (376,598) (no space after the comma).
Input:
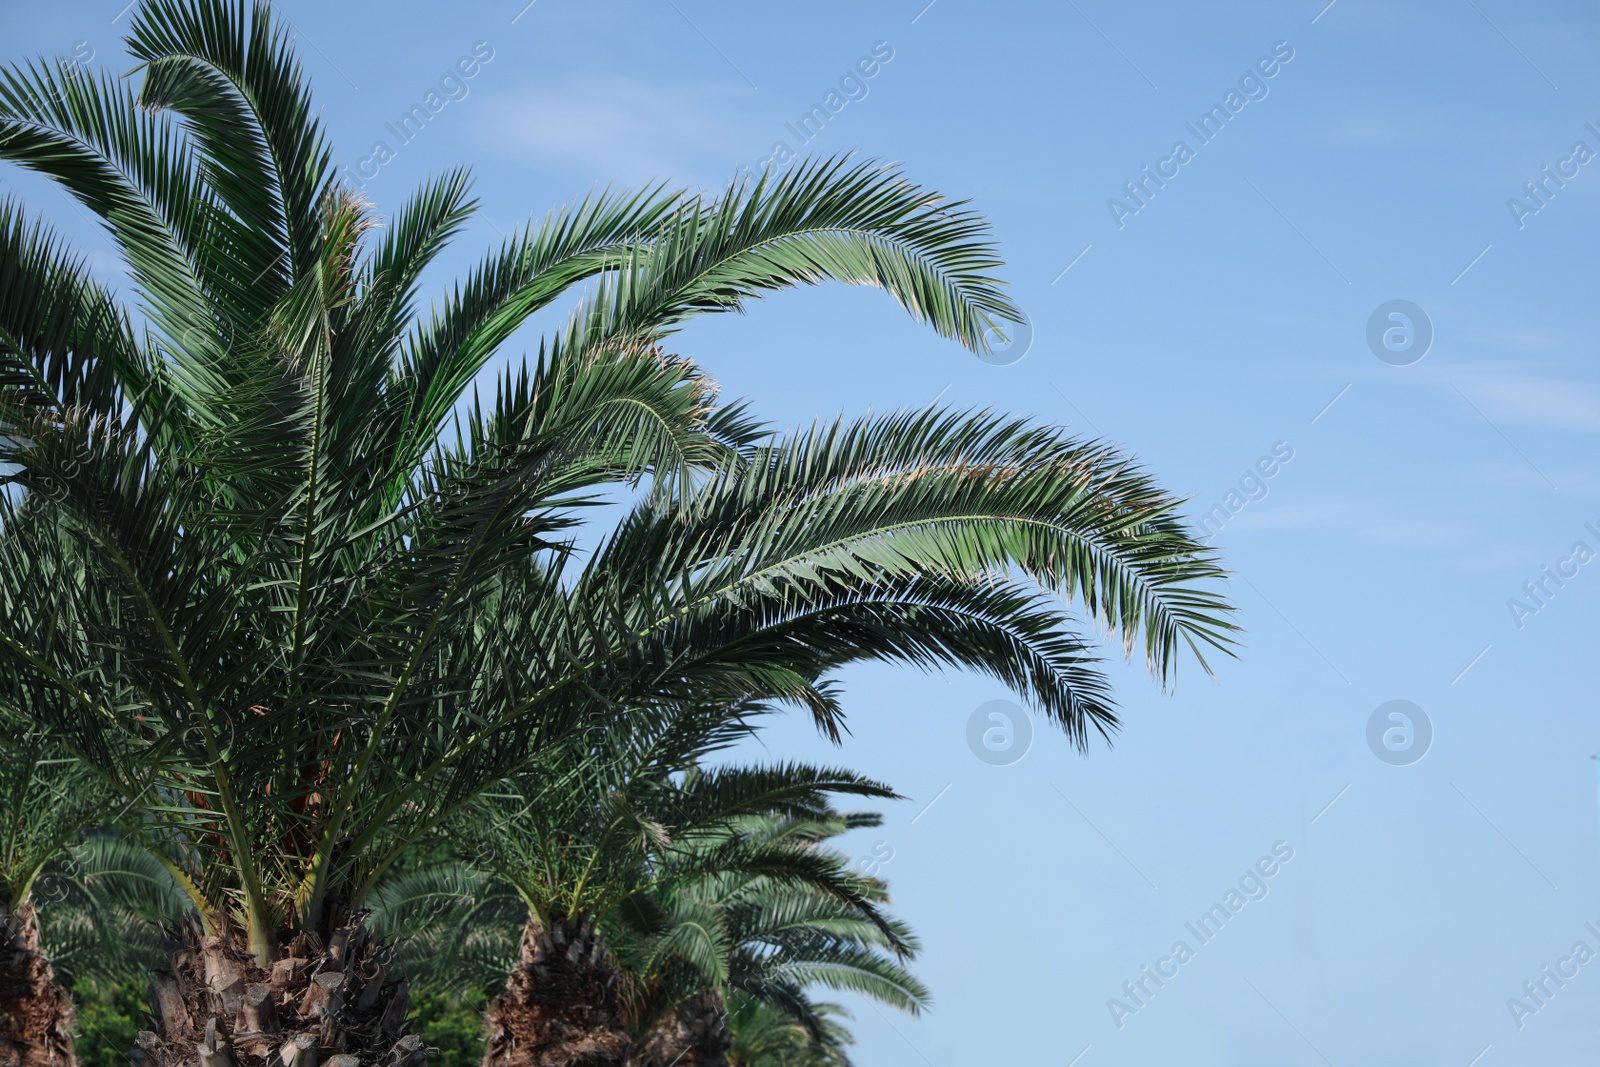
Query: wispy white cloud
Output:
(1365,518)
(1515,476)
(618,128)
(1530,398)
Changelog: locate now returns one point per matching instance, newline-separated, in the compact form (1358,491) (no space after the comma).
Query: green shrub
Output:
(453,1024)
(109,1015)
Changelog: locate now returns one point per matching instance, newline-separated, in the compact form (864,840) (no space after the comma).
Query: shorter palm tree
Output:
(596,842)
(766,1036)
(619,837)
(718,951)
(110,904)
(737,945)
(47,798)
(453,924)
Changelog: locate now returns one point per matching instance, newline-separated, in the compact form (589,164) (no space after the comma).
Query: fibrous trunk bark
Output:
(560,1007)
(695,1034)
(333,1003)
(35,1013)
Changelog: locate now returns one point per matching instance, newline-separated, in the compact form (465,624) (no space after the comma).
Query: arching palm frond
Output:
(454,925)
(47,799)
(763,1035)
(735,941)
(106,905)
(783,931)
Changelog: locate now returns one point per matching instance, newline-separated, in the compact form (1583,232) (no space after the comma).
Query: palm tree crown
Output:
(323,598)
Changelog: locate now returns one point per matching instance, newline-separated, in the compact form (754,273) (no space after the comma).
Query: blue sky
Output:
(1222,323)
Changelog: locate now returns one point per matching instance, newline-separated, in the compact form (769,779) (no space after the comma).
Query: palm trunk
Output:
(694,1034)
(560,1007)
(35,1014)
(333,1004)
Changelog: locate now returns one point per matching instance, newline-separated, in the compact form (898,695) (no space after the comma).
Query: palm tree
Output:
(763,1036)
(742,950)
(46,800)
(596,838)
(111,902)
(325,599)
